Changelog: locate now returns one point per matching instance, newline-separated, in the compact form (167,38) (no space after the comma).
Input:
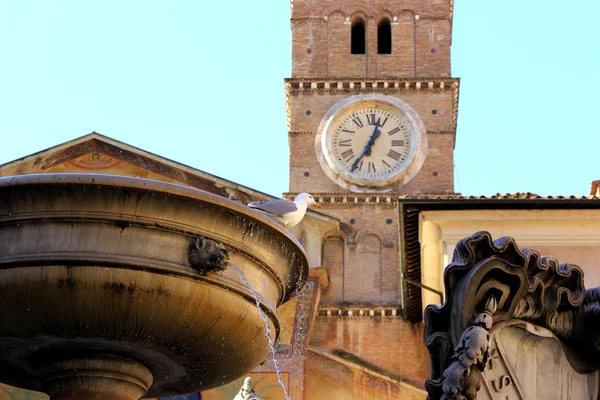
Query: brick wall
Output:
(421,38)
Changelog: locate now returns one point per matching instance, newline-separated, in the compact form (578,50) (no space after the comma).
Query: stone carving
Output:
(207,256)
(247,392)
(471,352)
(489,282)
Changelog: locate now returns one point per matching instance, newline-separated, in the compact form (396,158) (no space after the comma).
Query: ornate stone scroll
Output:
(492,285)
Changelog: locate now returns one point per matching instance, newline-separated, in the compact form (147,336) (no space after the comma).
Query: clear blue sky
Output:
(201,82)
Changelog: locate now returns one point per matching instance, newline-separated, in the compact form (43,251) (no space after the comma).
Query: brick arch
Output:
(329,11)
(359,13)
(361,233)
(348,11)
(380,13)
(405,12)
(386,240)
(335,231)
(333,12)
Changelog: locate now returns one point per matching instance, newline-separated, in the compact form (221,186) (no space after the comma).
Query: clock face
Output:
(369,142)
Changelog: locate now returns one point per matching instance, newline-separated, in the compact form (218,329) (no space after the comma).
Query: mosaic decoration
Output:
(95,154)
(95,160)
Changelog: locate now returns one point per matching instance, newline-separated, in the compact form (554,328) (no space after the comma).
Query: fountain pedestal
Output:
(99,377)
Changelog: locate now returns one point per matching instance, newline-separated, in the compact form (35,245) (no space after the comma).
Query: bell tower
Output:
(372,109)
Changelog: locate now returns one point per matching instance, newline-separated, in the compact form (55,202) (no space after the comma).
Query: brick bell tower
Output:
(372,115)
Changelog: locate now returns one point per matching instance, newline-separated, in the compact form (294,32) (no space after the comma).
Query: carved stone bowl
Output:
(114,286)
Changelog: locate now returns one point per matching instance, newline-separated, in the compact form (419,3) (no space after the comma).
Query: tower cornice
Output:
(308,86)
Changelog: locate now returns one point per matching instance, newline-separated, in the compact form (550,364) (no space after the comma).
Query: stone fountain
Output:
(120,288)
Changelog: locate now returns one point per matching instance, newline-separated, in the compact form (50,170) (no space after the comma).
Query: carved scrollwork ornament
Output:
(489,282)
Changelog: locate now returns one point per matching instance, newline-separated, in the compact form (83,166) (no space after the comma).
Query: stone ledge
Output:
(307,85)
(311,85)
(352,199)
(313,133)
(358,311)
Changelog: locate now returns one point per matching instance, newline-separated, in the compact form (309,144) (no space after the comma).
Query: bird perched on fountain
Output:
(288,213)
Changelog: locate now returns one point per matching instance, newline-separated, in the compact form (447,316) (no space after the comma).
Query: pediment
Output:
(95,153)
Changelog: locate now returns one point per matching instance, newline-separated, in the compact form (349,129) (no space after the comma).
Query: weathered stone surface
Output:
(530,362)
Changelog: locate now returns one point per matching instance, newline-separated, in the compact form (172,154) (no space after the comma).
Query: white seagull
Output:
(289,213)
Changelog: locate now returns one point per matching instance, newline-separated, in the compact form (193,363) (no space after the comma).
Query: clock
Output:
(371,142)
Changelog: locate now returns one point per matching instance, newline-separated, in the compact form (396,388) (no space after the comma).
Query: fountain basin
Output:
(97,274)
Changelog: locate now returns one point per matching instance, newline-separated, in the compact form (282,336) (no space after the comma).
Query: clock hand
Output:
(372,142)
(367,149)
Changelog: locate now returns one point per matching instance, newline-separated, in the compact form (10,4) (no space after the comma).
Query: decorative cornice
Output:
(432,18)
(319,85)
(358,312)
(301,133)
(308,19)
(338,200)
(295,86)
(441,132)
(309,133)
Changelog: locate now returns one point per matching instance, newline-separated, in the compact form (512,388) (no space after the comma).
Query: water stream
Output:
(268,329)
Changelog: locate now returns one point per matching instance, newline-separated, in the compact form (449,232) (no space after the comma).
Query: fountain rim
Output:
(151,185)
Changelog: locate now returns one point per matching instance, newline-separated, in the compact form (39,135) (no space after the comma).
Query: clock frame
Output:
(371,142)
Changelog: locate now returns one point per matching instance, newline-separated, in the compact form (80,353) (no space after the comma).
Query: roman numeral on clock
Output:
(394,131)
(371,167)
(371,120)
(397,142)
(386,164)
(348,155)
(393,154)
(346,143)
(358,122)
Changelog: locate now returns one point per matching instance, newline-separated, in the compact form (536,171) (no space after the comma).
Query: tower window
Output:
(357,36)
(384,37)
